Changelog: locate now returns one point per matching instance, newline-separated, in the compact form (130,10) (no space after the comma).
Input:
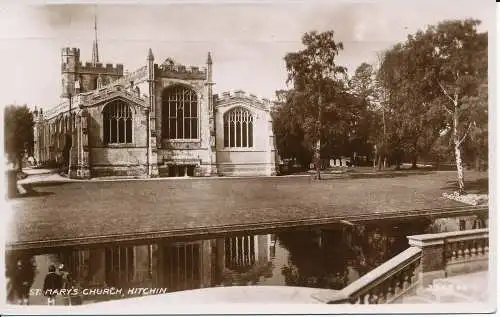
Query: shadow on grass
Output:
(30,192)
(47,183)
(479,186)
(390,174)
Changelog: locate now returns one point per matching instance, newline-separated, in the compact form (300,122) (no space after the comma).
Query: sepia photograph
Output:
(316,156)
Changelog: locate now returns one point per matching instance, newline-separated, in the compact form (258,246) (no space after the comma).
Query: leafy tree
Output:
(288,129)
(389,142)
(476,145)
(317,82)
(18,133)
(432,83)
(368,132)
(451,71)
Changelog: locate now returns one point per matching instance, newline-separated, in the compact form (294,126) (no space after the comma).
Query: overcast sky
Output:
(248,40)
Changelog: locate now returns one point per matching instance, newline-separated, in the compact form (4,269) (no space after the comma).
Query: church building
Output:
(160,120)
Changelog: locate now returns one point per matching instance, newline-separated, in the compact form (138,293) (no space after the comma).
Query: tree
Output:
(388,75)
(288,128)
(18,132)
(369,130)
(431,83)
(452,71)
(476,145)
(317,80)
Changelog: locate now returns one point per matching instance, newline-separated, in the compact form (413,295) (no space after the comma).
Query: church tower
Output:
(78,77)
(70,60)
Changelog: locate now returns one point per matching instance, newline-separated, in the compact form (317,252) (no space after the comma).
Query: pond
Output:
(308,257)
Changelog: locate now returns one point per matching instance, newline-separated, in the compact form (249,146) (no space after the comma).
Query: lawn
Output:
(90,209)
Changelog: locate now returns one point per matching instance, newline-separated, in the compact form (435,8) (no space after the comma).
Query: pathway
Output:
(464,288)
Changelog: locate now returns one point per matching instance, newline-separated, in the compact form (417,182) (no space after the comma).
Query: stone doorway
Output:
(181,170)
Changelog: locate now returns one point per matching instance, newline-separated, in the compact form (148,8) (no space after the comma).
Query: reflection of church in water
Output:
(239,260)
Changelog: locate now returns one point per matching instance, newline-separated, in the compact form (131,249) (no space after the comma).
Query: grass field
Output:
(86,209)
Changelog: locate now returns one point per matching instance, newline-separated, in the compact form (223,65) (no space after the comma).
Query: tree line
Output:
(18,134)
(425,99)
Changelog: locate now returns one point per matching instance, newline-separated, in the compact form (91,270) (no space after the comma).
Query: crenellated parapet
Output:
(180,72)
(100,69)
(232,96)
(71,51)
(136,77)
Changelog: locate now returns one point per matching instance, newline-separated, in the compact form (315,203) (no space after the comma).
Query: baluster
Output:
(448,252)
(486,246)
(367,298)
(362,299)
(372,298)
(397,285)
(466,249)
(413,273)
(390,291)
(480,249)
(382,295)
(453,247)
(473,250)
(406,280)
(460,252)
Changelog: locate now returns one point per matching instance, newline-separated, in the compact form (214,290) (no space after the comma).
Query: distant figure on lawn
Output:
(52,285)
(22,280)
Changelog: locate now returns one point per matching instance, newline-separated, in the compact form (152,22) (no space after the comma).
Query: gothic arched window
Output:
(180,113)
(238,128)
(117,123)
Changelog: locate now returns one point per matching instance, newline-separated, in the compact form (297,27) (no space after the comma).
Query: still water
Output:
(327,258)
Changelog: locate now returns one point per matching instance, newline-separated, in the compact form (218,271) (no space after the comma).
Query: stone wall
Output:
(245,161)
(183,152)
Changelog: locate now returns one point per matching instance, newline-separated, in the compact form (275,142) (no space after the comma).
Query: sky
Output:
(248,40)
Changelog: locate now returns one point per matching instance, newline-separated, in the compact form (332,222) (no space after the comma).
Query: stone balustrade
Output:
(430,256)
(382,285)
(451,253)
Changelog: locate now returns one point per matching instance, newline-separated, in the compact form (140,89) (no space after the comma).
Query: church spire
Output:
(95,48)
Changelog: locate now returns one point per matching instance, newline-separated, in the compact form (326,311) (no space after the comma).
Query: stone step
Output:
(415,299)
(473,287)
(433,294)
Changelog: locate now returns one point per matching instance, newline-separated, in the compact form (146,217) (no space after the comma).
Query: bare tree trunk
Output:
(20,162)
(477,162)
(458,153)
(317,153)
(414,162)
(384,156)
(438,164)
(398,161)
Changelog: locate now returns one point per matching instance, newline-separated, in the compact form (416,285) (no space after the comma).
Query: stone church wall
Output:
(120,159)
(256,160)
